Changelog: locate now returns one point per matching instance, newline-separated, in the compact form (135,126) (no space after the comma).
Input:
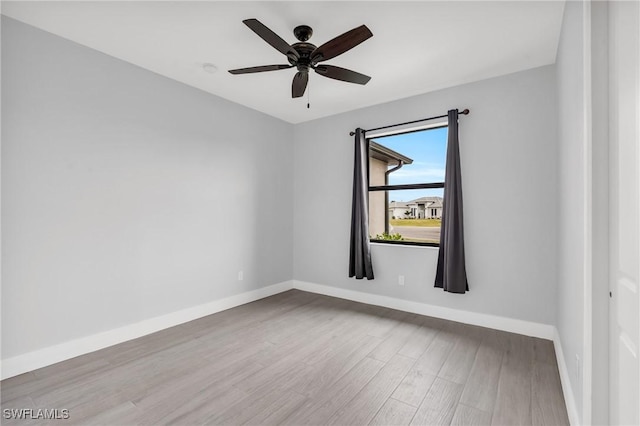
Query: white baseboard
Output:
(527,328)
(569,398)
(43,357)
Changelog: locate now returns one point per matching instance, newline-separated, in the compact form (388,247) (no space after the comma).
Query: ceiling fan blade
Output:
(299,84)
(270,37)
(341,44)
(262,68)
(342,74)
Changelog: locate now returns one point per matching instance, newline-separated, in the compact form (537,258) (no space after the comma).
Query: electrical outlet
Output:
(400,279)
(240,276)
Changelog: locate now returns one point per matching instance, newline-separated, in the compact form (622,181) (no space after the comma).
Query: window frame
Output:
(377,188)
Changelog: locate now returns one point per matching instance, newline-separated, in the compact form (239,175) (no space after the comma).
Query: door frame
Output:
(613,246)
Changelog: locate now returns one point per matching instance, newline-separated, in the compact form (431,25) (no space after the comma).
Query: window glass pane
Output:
(411,215)
(423,155)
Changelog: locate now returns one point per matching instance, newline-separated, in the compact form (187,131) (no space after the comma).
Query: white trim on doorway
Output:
(587,311)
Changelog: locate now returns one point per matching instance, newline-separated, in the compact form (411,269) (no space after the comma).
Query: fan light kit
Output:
(305,56)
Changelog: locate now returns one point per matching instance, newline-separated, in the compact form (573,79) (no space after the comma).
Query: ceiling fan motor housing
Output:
(304,50)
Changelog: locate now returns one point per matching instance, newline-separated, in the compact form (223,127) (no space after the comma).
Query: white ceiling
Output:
(417,47)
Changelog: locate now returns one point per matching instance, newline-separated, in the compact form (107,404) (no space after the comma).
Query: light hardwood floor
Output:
(300,358)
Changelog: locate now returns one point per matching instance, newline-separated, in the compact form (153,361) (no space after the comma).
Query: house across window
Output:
(406,181)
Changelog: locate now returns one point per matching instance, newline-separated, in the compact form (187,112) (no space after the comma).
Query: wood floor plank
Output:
(364,406)
(458,364)
(419,379)
(440,403)
(499,340)
(327,373)
(86,408)
(520,351)
(123,414)
(275,328)
(431,361)
(316,336)
(87,398)
(299,321)
(61,373)
(547,406)
(544,352)
(18,386)
(71,368)
(394,413)
(278,412)
(482,383)
(254,405)
(286,374)
(469,416)
(384,323)
(394,342)
(20,402)
(176,398)
(419,340)
(143,347)
(290,361)
(327,403)
(205,405)
(513,398)
(242,318)
(414,387)
(23,402)
(347,341)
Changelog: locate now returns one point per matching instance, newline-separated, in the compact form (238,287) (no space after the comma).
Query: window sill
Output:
(405,244)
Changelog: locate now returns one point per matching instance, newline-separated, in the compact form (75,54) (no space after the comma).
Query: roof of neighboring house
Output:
(423,199)
(382,153)
(428,201)
(397,204)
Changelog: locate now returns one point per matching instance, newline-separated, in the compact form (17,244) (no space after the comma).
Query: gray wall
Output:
(571,240)
(126,195)
(508,150)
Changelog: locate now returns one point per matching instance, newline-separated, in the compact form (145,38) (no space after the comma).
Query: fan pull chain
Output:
(308,97)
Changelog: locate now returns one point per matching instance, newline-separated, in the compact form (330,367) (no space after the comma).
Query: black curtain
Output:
(360,249)
(451,274)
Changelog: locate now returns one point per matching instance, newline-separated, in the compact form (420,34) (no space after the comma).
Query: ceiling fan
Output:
(305,56)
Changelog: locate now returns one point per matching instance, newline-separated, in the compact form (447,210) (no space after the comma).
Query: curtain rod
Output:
(464,112)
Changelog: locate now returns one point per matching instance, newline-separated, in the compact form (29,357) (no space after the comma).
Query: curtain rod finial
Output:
(352,133)
(465,111)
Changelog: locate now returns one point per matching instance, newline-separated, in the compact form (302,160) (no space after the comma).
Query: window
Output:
(406,186)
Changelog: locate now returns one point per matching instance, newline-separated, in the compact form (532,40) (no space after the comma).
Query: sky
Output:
(427,149)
